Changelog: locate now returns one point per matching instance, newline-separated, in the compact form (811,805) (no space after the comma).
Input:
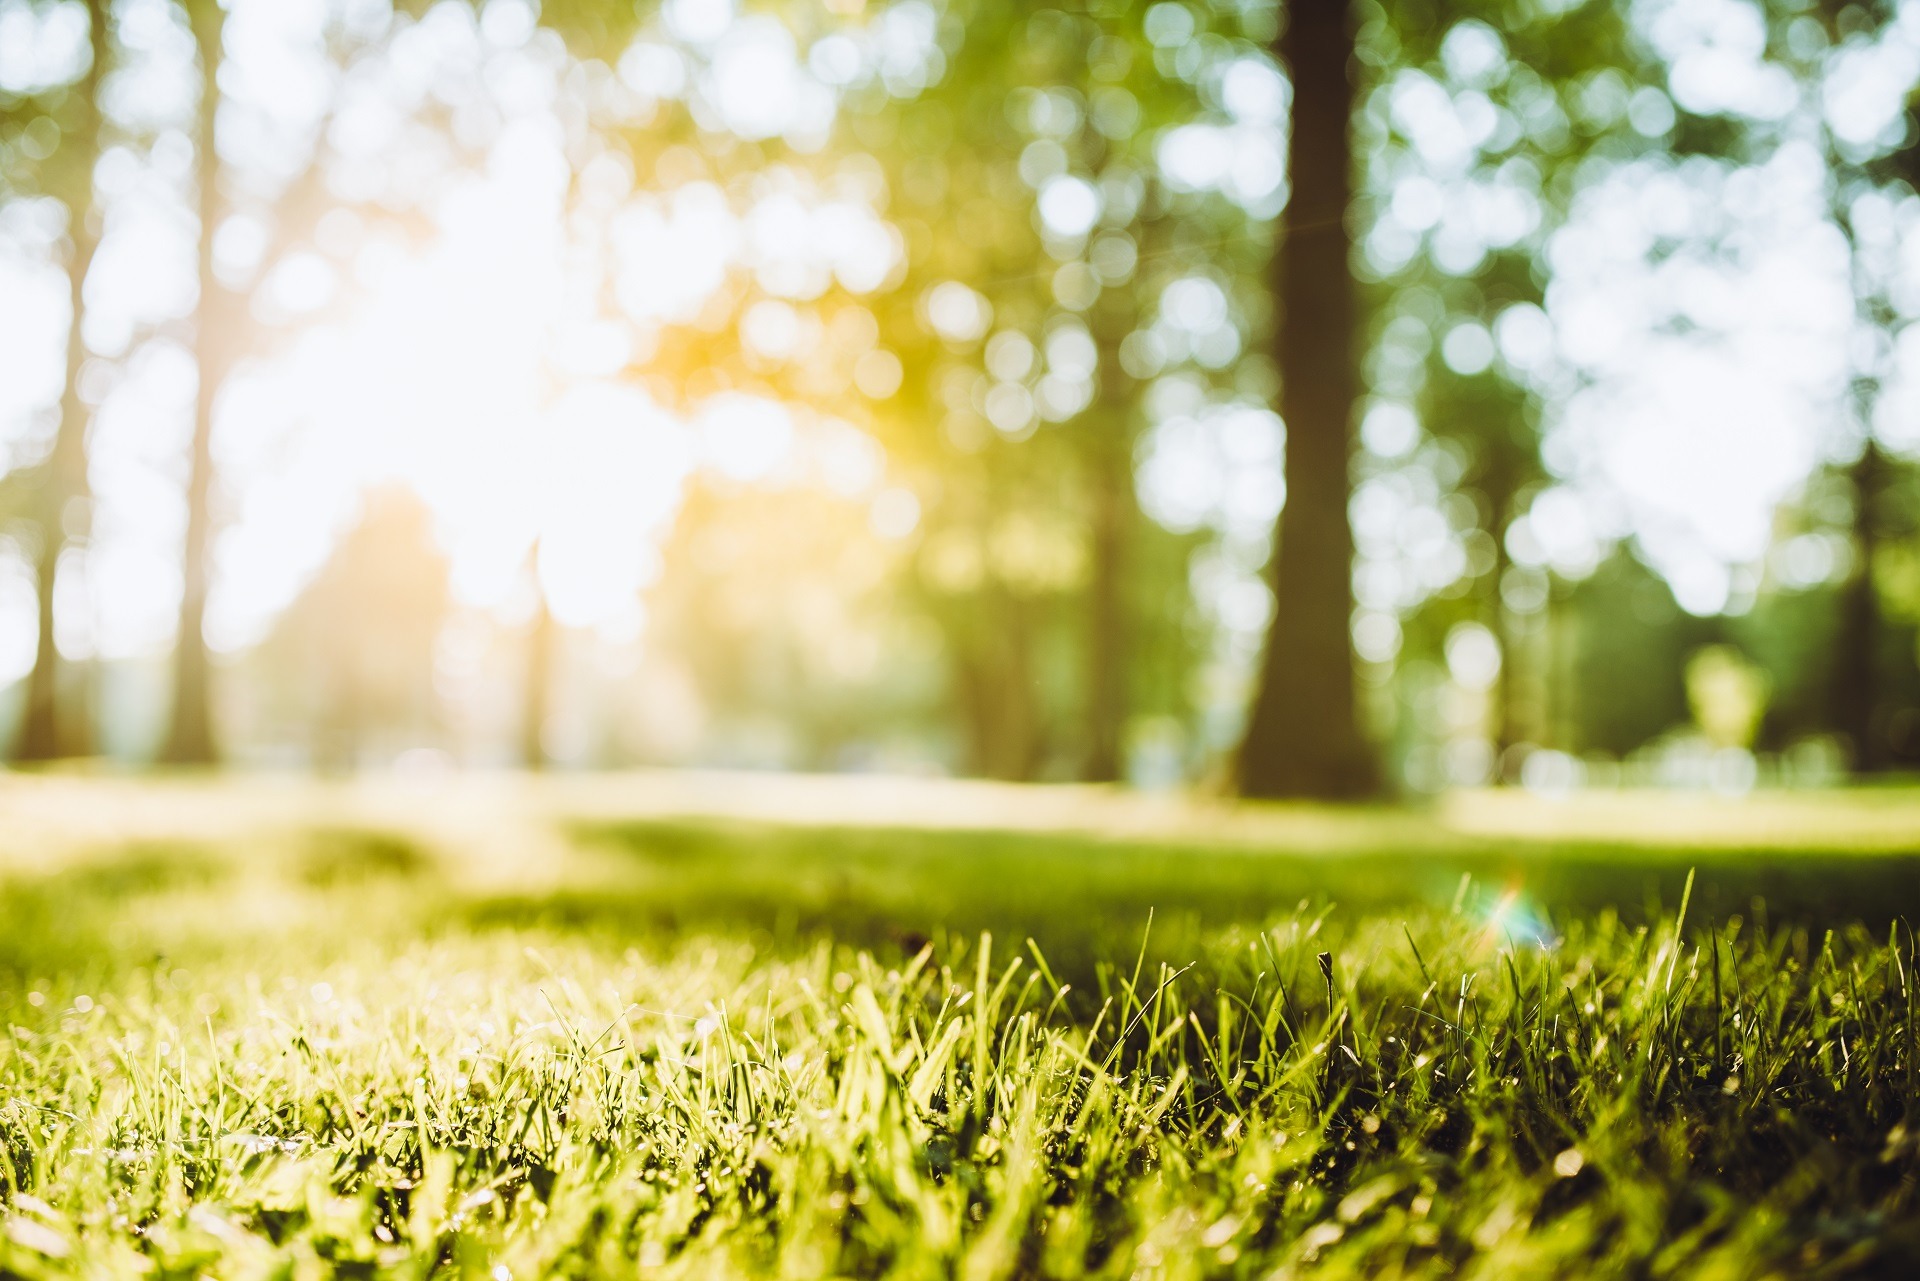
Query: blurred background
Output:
(879,386)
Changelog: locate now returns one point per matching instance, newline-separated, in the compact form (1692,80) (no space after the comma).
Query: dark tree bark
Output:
(190,736)
(997,689)
(1112,510)
(1106,621)
(1856,675)
(46,731)
(1506,730)
(1304,737)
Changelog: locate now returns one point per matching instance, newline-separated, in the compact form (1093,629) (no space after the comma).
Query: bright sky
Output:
(475,364)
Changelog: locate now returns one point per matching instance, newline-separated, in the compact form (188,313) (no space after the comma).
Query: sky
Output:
(1697,342)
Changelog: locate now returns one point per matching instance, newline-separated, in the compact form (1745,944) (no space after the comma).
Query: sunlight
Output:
(611,469)
(469,375)
(1121,624)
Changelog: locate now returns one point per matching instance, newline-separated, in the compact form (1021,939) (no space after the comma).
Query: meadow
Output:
(728,1026)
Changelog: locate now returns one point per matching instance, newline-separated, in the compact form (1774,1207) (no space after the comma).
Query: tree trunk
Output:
(1856,677)
(1505,628)
(996,687)
(1106,630)
(1016,747)
(190,737)
(1111,485)
(533,724)
(45,733)
(1304,737)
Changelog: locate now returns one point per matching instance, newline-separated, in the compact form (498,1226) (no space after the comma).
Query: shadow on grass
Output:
(1076,893)
(356,856)
(1082,898)
(151,899)
(66,917)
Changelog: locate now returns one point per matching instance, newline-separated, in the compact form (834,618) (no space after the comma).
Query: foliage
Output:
(1023,251)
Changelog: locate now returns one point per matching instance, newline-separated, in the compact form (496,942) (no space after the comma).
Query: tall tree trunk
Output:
(1556,731)
(1505,630)
(1016,746)
(971,683)
(1111,491)
(534,713)
(1304,737)
(45,732)
(1106,627)
(190,737)
(997,688)
(1856,677)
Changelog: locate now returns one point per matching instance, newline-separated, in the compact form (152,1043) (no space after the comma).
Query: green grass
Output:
(358,1040)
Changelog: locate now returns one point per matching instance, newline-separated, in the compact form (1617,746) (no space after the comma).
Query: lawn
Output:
(738,1026)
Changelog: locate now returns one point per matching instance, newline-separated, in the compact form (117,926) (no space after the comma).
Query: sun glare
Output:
(482,371)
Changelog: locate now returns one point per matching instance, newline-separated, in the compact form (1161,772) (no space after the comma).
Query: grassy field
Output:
(711,1026)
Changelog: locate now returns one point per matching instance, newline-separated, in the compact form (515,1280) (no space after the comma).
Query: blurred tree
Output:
(539,688)
(775,605)
(1544,103)
(1858,690)
(1823,43)
(1009,366)
(1021,165)
(190,732)
(1029,347)
(1790,633)
(1003,545)
(1063,111)
(1304,736)
(788,334)
(1860,680)
(354,653)
(1794,629)
(1870,675)
(1627,672)
(227,330)
(50,727)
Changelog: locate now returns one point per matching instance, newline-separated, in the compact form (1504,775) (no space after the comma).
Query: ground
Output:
(735,1025)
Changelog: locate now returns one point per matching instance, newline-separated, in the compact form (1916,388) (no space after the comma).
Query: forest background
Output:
(844,386)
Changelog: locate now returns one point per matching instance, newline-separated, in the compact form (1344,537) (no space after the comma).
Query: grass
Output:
(423,1036)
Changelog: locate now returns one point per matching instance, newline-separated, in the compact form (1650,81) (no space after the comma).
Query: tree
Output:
(224,335)
(1485,410)
(46,730)
(1304,737)
(355,651)
(1023,408)
(1862,681)
(778,618)
(1573,78)
(1858,679)
(1001,547)
(1869,174)
(190,733)
(538,693)
(860,351)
